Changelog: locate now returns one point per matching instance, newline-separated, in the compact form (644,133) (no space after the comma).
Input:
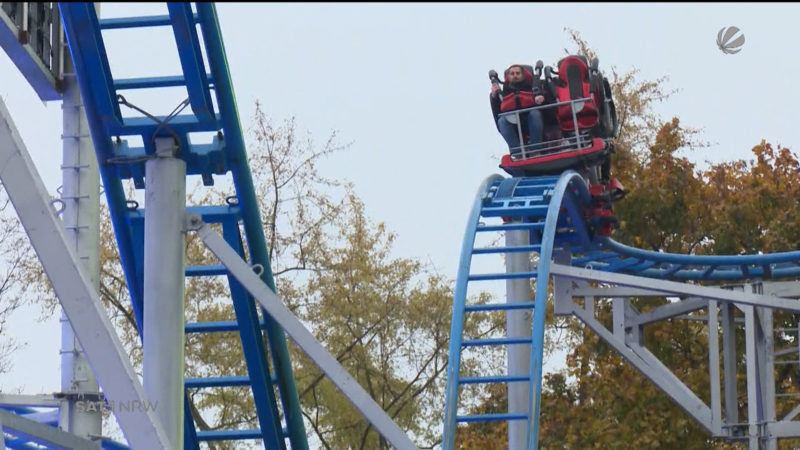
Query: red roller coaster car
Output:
(578,129)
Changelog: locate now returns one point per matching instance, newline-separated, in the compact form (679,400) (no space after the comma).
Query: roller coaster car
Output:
(577,130)
(584,104)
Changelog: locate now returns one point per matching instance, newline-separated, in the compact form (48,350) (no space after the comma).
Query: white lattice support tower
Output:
(80,195)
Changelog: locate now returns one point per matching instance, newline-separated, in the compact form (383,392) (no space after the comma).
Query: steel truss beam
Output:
(673,288)
(42,434)
(40,400)
(762,428)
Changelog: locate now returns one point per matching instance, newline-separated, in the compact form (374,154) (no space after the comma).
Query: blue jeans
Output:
(510,132)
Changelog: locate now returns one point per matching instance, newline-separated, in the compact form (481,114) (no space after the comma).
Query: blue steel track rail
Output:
(556,212)
(227,153)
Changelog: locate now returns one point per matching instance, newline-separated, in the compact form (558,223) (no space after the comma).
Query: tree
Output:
(385,319)
(752,205)
(14,250)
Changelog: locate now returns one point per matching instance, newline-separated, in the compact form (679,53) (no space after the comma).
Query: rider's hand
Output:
(539,99)
(495,89)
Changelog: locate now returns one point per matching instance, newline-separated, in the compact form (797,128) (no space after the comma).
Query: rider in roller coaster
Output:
(567,121)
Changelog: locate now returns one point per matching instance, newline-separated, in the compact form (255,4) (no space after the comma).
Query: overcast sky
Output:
(407,85)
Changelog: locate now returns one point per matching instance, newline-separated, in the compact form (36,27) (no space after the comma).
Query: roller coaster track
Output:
(207,80)
(556,213)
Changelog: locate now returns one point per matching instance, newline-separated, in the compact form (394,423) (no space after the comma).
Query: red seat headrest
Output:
(570,60)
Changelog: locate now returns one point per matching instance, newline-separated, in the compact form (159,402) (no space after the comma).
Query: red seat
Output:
(574,83)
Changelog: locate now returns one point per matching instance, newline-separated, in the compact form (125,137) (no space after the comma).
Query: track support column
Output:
(518,324)
(81,198)
(164,275)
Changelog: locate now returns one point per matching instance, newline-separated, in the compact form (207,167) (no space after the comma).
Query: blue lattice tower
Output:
(213,109)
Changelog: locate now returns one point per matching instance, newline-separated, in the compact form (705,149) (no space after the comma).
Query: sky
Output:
(407,85)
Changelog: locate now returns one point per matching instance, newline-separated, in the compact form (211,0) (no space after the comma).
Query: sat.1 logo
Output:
(726,41)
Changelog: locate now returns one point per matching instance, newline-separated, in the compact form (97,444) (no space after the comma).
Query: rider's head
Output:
(516,74)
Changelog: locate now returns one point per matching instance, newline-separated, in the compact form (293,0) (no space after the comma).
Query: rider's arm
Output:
(494,102)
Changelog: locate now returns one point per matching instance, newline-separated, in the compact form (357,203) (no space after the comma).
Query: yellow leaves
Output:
(730,208)
(385,319)
(753,205)
(670,138)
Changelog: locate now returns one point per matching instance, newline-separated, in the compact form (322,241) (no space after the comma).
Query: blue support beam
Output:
(254,231)
(88,50)
(189,50)
(254,351)
(190,441)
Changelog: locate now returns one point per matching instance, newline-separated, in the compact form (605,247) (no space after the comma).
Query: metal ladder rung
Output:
(216,382)
(565,235)
(786,351)
(494,379)
(513,249)
(220,381)
(519,211)
(511,226)
(214,327)
(491,417)
(522,200)
(497,341)
(502,276)
(76,227)
(117,23)
(234,435)
(149,82)
(499,306)
(200,271)
(74,197)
